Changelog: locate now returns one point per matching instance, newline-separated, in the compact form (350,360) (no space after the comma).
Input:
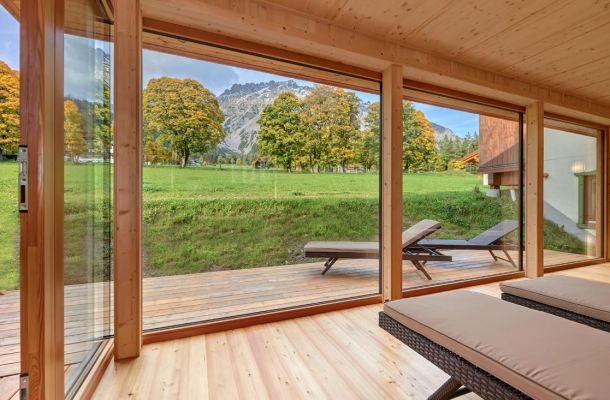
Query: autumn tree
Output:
(182,114)
(281,135)
(9,110)
(74,141)
(330,123)
(367,145)
(419,144)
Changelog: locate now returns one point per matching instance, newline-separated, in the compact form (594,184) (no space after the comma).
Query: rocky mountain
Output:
(243,104)
(442,133)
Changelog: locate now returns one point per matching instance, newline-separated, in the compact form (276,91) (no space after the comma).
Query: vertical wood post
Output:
(41,232)
(534,196)
(391,177)
(127,179)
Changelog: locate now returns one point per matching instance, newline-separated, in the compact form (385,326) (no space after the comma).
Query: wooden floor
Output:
(176,300)
(337,355)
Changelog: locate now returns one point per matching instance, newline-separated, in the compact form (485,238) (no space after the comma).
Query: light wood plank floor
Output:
(338,355)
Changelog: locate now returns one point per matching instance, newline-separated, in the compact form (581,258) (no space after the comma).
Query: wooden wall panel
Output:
(391,183)
(534,184)
(127,179)
(41,242)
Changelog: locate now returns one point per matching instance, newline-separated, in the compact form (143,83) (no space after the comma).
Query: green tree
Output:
(9,110)
(74,140)
(419,145)
(102,123)
(281,135)
(330,124)
(183,114)
(367,145)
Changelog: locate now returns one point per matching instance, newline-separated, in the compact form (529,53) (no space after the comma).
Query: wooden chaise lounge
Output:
(411,250)
(580,300)
(500,350)
(493,239)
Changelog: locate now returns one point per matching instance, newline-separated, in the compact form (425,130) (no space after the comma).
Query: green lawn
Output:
(204,218)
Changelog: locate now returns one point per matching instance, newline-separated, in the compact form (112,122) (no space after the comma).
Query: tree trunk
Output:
(184,159)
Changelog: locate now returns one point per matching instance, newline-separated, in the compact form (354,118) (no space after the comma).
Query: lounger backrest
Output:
(419,231)
(495,233)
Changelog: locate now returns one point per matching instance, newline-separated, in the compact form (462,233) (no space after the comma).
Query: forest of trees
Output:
(323,132)
(9,110)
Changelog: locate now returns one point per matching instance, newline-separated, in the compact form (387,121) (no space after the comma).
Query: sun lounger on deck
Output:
(493,239)
(411,250)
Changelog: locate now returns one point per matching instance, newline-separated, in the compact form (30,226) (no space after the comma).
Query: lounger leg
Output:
(493,255)
(420,267)
(329,264)
(449,390)
(510,259)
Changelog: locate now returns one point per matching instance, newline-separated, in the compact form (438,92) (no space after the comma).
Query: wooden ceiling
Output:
(564,44)
(557,51)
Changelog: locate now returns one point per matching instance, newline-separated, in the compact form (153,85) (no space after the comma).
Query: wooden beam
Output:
(391,178)
(41,241)
(534,193)
(127,179)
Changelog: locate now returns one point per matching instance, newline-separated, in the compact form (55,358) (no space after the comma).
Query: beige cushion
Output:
(543,356)
(577,295)
(337,247)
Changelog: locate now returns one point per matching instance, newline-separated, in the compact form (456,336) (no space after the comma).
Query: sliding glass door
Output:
(573,193)
(87,186)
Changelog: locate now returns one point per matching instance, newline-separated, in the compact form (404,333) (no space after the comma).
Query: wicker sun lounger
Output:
(411,249)
(584,301)
(493,239)
(500,350)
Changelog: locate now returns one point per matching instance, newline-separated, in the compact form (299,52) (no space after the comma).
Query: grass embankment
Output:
(202,218)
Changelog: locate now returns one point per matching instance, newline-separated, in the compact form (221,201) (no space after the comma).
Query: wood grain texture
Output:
(534,184)
(336,355)
(41,230)
(127,249)
(391,183)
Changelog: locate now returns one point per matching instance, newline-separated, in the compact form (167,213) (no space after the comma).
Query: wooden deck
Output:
(181,299)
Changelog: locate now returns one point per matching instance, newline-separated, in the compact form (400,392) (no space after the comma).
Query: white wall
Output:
(564,154)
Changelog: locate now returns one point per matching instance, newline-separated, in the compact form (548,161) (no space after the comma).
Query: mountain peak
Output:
(242,89)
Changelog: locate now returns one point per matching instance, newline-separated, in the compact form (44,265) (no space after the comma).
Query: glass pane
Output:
(238,183)
(572,194)
(9,216)
(462,196)
(87,182)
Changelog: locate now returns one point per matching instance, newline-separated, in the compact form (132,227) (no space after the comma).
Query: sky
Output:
(216,77)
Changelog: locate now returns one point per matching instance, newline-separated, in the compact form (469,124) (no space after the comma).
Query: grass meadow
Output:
(207,218)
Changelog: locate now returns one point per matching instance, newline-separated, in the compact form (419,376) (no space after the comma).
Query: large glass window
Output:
(573,193)
(87,183)
(261,190)
(462,190)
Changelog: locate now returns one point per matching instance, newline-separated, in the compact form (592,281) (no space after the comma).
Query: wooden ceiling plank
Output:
(471,22)
(574,53)
(534,35)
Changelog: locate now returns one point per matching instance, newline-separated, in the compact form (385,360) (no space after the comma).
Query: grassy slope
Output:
(201,219)
(9,226)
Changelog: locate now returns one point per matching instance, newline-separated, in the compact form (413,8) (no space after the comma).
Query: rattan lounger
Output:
(580,300)
(411,250)
(500,350)
(493,239)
